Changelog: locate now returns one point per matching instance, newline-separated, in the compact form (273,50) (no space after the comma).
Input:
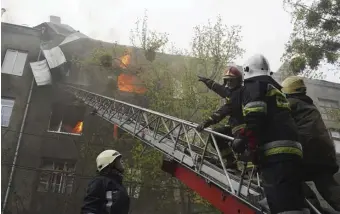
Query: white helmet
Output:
(256,65)
(106,157)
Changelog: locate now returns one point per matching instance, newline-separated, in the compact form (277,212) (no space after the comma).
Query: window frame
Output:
(3,71)
(12,107)
(61,121)
(52,184)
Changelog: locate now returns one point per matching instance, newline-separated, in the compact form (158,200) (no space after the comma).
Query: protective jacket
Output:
(106,194)
(269,124)
(231,108)
(271,137)
(318,147)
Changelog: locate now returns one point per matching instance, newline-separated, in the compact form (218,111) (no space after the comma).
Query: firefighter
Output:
(106,193)
(270,138)
(233,81)
(319,159)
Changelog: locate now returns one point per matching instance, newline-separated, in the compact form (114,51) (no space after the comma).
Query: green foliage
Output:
(149,41)
(216,45)
(315,37)
(173,87)
(335,113)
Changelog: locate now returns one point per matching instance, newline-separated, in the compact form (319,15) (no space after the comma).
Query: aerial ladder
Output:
(186,153)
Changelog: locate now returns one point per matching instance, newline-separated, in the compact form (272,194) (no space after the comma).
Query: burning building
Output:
(127,80)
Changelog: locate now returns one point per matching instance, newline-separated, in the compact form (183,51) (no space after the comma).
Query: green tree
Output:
(173,89)
(146,39)
(315,37)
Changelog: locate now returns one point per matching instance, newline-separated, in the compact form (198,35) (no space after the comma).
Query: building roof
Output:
(19,29)
(61,29)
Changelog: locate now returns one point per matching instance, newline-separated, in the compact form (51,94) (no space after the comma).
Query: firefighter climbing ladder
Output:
(179,141)
(186,151)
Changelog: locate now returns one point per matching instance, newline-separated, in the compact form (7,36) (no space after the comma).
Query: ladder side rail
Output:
(190,124)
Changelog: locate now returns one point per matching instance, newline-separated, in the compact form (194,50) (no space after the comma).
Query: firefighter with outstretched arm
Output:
(319,161)
(223,90)
(270,138)
(106,193)
(232,78)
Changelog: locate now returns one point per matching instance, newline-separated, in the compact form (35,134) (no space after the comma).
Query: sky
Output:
(266,27)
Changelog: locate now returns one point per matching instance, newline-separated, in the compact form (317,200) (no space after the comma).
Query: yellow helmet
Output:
(293,85)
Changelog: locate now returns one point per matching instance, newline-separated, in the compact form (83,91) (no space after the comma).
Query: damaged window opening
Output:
(56,177)
(67,119)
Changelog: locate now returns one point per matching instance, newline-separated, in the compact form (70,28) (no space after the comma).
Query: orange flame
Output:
(130,83)
(125,61)
(78,128)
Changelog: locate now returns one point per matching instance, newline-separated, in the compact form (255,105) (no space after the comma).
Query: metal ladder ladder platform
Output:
(185,149)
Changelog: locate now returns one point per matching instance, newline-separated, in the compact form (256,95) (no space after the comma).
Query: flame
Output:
(130,83)
(78,128)
(125,60)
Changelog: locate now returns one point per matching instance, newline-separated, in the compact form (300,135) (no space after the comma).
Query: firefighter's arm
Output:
(216,117)
(219,89)
(93,199)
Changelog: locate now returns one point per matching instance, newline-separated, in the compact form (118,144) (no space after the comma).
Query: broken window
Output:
(56,176)
(67,119)
(14,62)
(6,111)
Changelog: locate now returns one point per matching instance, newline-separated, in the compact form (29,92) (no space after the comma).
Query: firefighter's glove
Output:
(200,127)
(239,145)
(204,125)
(203,79)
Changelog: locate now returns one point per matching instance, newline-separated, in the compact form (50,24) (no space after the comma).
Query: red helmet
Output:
(232,72)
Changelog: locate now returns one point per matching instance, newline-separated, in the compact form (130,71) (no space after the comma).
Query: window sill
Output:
(65,133)
(12,74)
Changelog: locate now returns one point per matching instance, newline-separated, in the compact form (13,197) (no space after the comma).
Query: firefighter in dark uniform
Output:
(270,138)
(106,193)
(221,89)
(319,158)
(232,78)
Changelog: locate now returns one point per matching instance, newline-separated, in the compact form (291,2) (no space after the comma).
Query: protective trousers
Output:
(283,184)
